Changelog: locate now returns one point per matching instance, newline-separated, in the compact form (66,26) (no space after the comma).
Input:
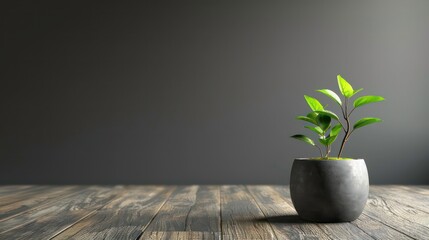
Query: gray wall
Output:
(181,92)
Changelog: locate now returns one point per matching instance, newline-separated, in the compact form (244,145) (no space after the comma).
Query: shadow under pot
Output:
(329,190)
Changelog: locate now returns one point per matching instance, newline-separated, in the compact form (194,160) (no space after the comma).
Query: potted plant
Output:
(331,189)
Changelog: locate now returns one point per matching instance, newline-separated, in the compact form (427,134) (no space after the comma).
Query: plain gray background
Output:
(180,92)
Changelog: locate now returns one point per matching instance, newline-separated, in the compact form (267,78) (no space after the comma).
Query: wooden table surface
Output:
(199,212)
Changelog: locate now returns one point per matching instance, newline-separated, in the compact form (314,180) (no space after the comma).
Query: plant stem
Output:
(328,150)
(326,155)
(344,115)
(350,113)
(346,137)
(347,130)
(342,111)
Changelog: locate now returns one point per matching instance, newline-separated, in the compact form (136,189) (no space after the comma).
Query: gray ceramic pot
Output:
(329,190)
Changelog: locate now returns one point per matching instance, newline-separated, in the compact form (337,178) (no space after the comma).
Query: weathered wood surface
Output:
(241,216)
(191,212)
(50,219)
(199,212)
(123,218)
(35,200)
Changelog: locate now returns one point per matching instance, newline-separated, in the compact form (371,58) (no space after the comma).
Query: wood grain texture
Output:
(241,216)
(406,219)
(332,230)
(125,217)
(47,221)
(13,189)
(283,218)
(36,200)
(420,189)
(181,235)
(412,197)
(199,212)
(190,209)
(378,230)
(26,193)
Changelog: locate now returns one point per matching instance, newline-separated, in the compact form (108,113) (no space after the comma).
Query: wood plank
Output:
(12,197)
(420,190)
(283,217)
(190,211)
(7,189)
(184,235)
(36,200)
(405,211)
(123,218)
(333,230)
(419,186)
(402,196)
(241,216)
(417,190)
(410,187)
(47,221)
(199,212)
(378,230)
(400,217)
(204,216)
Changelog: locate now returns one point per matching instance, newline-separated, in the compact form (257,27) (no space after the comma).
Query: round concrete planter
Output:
(329,190)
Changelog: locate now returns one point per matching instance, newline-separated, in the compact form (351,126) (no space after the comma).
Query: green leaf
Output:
(314,104)
(345,87)
(331,139)
(328,113)
(304,139)
(324,121)
(307,119)
(331,94)
(366,100)
(312,115)
(335,130)
(323,141)
(328,140)
(316,129)
(356,91)
(365,121)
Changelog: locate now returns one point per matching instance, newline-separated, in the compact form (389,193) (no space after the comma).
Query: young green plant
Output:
(322,119)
